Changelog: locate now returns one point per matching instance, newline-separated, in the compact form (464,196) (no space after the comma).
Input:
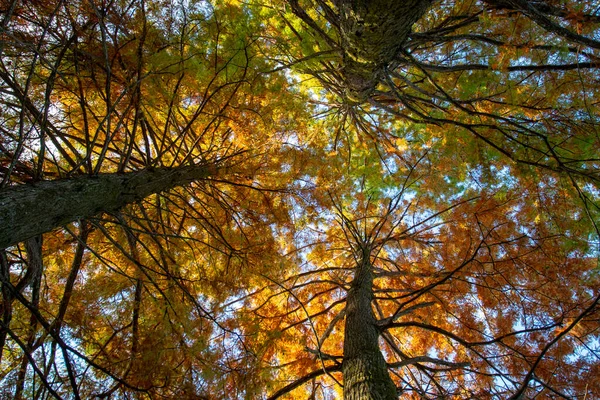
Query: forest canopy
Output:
(300,199)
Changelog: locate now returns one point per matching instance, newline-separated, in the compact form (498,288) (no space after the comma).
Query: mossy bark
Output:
(364,368)
(372,34)
(32,209)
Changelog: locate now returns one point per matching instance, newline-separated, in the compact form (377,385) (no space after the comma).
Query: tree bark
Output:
(32,209)
(364,368)
(372,34)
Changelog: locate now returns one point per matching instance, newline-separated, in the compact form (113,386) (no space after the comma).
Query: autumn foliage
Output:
(322,209)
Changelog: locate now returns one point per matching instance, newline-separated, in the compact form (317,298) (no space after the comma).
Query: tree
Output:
(420,220)
(464,70)
(459,273)
(128,131)
(508,73)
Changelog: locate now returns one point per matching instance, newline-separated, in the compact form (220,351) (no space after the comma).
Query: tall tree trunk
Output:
(372,34)
(364,368)
(32,209)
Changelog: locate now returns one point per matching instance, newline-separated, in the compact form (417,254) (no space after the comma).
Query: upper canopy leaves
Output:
(447,150)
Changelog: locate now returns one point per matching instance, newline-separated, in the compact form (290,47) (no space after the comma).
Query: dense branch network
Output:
(191,218)
(522,85)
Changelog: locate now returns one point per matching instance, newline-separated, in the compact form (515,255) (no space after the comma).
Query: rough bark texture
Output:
(33,209)
(365,371)
(372,33)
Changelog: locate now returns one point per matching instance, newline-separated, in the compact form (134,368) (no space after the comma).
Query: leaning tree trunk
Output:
(364,368)
(372,34)
(33,209)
